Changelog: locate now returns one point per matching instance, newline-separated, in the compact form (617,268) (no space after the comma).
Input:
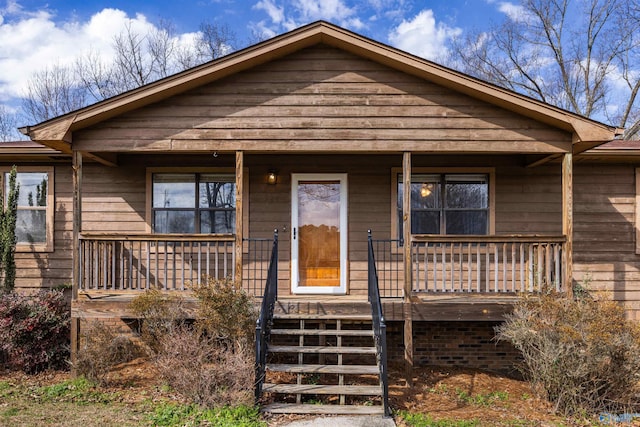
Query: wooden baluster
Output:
(478,268)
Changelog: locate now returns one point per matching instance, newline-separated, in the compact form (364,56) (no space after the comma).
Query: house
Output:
(473,193)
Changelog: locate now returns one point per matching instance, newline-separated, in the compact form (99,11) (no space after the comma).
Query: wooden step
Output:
(321,349)
(325,332)
(304,316)
(293,408)
(351,390)
(325,369)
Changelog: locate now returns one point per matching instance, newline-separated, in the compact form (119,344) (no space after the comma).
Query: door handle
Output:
(294,233)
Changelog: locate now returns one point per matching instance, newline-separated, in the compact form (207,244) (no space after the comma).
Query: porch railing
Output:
(487,264)
(265,319)
(389,267)
(137,262)
(379,326)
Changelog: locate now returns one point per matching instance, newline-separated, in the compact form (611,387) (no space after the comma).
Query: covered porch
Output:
(468,276)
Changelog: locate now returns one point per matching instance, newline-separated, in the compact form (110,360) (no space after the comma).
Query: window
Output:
(34,222)
(193,203)
(446,203)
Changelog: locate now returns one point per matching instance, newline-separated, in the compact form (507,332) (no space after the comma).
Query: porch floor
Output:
(424,306)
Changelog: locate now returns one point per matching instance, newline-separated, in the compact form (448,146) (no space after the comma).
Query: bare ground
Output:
(443,393)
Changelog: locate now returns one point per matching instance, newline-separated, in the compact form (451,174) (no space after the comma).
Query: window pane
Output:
(31,226)
(173,190)
(217,191)
(471,192)
(173,221)
(218,221)
(425,222)
(466,222)
(33,188)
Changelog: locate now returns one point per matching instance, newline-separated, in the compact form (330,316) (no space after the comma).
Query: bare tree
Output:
(214,41)
(139,58)
(51,92)
(8,125)
(565,52)
(97,76)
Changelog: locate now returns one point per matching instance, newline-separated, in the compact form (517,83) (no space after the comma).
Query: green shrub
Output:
(581,353)
(34,330)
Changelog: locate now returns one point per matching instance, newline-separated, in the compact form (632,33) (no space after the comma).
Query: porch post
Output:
(567,219)
(406,236)
(239,217)
(75,254)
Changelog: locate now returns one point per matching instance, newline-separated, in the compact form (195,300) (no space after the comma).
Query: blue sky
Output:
(36,32)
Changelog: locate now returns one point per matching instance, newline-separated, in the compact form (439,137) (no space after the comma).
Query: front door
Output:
(319,233)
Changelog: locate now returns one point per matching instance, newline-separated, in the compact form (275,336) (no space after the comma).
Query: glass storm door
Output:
(319,233)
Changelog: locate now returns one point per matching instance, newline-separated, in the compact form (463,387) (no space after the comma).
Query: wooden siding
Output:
(322,99)
(113,199)
(605,259)
(36,270)
(528,201)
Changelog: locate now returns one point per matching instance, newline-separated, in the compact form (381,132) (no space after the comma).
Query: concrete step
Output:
(325,369)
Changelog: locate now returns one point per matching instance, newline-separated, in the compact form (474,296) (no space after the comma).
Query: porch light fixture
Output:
(426,189)
(272,177)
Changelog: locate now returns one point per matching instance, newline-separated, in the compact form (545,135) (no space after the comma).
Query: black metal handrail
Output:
(379,327)
(265,319)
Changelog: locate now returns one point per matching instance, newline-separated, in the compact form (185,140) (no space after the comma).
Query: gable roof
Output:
(56,133)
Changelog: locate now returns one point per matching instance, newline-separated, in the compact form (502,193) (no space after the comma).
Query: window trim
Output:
(48,245)
(396,172)
(230,171)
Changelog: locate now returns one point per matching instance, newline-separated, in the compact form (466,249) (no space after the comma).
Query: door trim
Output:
(344,234)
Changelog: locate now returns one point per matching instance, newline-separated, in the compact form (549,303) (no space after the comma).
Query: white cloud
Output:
(331,10)
(276,14)
(514,12)
(33,40)
(286,15)
(422,36)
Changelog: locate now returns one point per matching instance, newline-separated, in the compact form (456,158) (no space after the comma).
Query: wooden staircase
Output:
(322,364)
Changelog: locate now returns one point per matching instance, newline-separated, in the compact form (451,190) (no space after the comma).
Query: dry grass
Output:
(101,350)
(205,370)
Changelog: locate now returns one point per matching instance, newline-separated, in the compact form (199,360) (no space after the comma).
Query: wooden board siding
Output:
(604,244)
(528,201)
(113,199)
(36,270)
(322,99)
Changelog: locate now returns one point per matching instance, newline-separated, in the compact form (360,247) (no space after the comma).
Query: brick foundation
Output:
(461,344)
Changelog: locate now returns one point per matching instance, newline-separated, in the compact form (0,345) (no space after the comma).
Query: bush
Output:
(34,330)
(225,311)
(582,354)
(204,370)
(160,313)
(211,361)
(101,349)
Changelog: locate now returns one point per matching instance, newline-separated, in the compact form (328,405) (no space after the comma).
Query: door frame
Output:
(344,234)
